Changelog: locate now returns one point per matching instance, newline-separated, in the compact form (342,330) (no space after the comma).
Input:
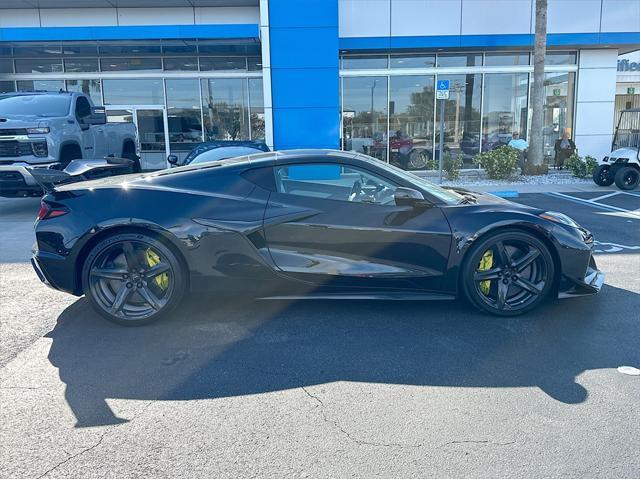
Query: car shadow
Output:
(213,349)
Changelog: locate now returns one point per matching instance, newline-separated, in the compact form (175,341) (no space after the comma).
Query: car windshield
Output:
(218,154)
(45,106)
(447,196)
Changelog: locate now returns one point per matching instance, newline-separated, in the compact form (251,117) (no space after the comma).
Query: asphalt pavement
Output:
(325,389)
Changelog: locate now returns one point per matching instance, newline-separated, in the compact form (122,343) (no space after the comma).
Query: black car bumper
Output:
(591,283)
(53,270)
(15,184)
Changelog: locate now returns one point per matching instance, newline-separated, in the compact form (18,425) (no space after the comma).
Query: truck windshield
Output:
(45,106)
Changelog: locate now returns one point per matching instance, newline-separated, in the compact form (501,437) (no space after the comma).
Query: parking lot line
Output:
(608,195)
(593,204)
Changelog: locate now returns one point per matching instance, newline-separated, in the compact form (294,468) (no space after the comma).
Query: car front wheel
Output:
(508,273)
(133,279)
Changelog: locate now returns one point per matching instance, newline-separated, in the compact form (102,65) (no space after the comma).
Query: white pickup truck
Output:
(51,129)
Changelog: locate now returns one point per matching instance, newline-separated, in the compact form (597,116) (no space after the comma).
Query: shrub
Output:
(581,167)
(500,163)
(452,165)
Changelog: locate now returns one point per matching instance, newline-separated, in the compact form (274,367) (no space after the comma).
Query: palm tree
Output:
(536,144)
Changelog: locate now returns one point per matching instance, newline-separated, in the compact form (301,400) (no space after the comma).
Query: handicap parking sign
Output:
(443,85)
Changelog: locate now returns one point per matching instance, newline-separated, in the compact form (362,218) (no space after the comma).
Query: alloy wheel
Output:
(131,280)
(511,275)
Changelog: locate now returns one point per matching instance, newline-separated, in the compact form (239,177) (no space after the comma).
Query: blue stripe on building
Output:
(305,73)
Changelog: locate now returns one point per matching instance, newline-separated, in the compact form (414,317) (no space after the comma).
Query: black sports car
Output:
(302,224)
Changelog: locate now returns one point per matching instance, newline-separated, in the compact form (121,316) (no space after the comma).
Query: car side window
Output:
(334,182)
(83,108)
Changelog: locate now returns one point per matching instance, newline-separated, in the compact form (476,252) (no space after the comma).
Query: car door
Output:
(338,225)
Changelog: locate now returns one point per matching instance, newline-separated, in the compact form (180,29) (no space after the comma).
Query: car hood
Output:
(20,122)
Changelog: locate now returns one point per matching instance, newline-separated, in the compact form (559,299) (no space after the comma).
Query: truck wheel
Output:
(68,154)
(129,152)
(602,175)
(627,178)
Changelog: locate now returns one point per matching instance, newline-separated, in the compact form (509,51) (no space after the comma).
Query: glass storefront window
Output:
(43,50)
(364,62)
(460,60)
(412,61)
(6,65)
(505,108)
(133,92)
(254,64)
(130,48)
(225,109)
(179,47)
(130,64)
(364,115)
(83,49)
(558,108)
(222,63)
(44,65)
(74,65)
(7,86)
(256,109)
(411,121)
(461,116)
(505,59)
(41,85)
(560,58)
(180,64)
(184,114)
(91,88)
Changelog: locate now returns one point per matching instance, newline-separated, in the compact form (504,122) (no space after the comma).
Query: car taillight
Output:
(47,211)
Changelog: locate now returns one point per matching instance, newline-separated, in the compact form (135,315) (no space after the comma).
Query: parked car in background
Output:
(218,150)
(42,128)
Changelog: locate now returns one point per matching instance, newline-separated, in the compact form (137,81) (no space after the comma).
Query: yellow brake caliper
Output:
(162,280)
(486,263)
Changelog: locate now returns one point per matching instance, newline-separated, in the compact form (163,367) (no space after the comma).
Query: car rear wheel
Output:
(602,175)
(133,279)
(627,178)
(508,273)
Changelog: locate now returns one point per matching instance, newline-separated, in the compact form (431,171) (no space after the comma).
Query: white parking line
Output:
(608,195)
(593,204)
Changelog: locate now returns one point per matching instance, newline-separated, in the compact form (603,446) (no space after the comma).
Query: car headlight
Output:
(38,131)
(561,218)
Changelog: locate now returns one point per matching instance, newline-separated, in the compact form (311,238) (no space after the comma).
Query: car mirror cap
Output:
(408,197)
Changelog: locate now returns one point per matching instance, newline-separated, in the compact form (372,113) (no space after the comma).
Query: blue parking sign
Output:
(443,85)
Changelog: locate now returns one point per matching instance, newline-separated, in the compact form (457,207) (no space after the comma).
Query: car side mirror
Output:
(98,116)
(173,160)
(408,197)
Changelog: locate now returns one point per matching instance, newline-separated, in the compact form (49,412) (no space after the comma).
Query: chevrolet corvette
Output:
(302,224)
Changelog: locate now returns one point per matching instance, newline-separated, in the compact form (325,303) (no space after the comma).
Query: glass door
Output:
(152,136)
(151,126)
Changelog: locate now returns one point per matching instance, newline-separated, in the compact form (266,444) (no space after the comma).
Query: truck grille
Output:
(14,148)
(12,131)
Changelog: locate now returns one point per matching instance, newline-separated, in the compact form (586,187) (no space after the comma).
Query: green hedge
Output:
(581,167)
(500,163)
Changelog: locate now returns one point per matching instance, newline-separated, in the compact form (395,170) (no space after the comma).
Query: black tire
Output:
(129,152)
(521,264)
(118,270)
(603,175)
(627,178)
(68,154)
(418,160)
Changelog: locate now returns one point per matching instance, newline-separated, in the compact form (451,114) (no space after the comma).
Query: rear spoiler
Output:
(48,179)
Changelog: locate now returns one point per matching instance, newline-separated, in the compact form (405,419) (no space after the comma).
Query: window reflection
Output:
(411,121)
(130,64)
(180,64)
(505,108)
(558,108)
(91,88)
(7,86)
(505,59)
(412,61)
(184,114)
(225,109)
(364,115)
(133,92)
(460,60)
(256,109)
(44,65)
(461,116)
(41,85)
(364,62)
(6,66)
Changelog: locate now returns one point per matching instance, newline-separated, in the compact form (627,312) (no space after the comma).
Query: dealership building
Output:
(353,74)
